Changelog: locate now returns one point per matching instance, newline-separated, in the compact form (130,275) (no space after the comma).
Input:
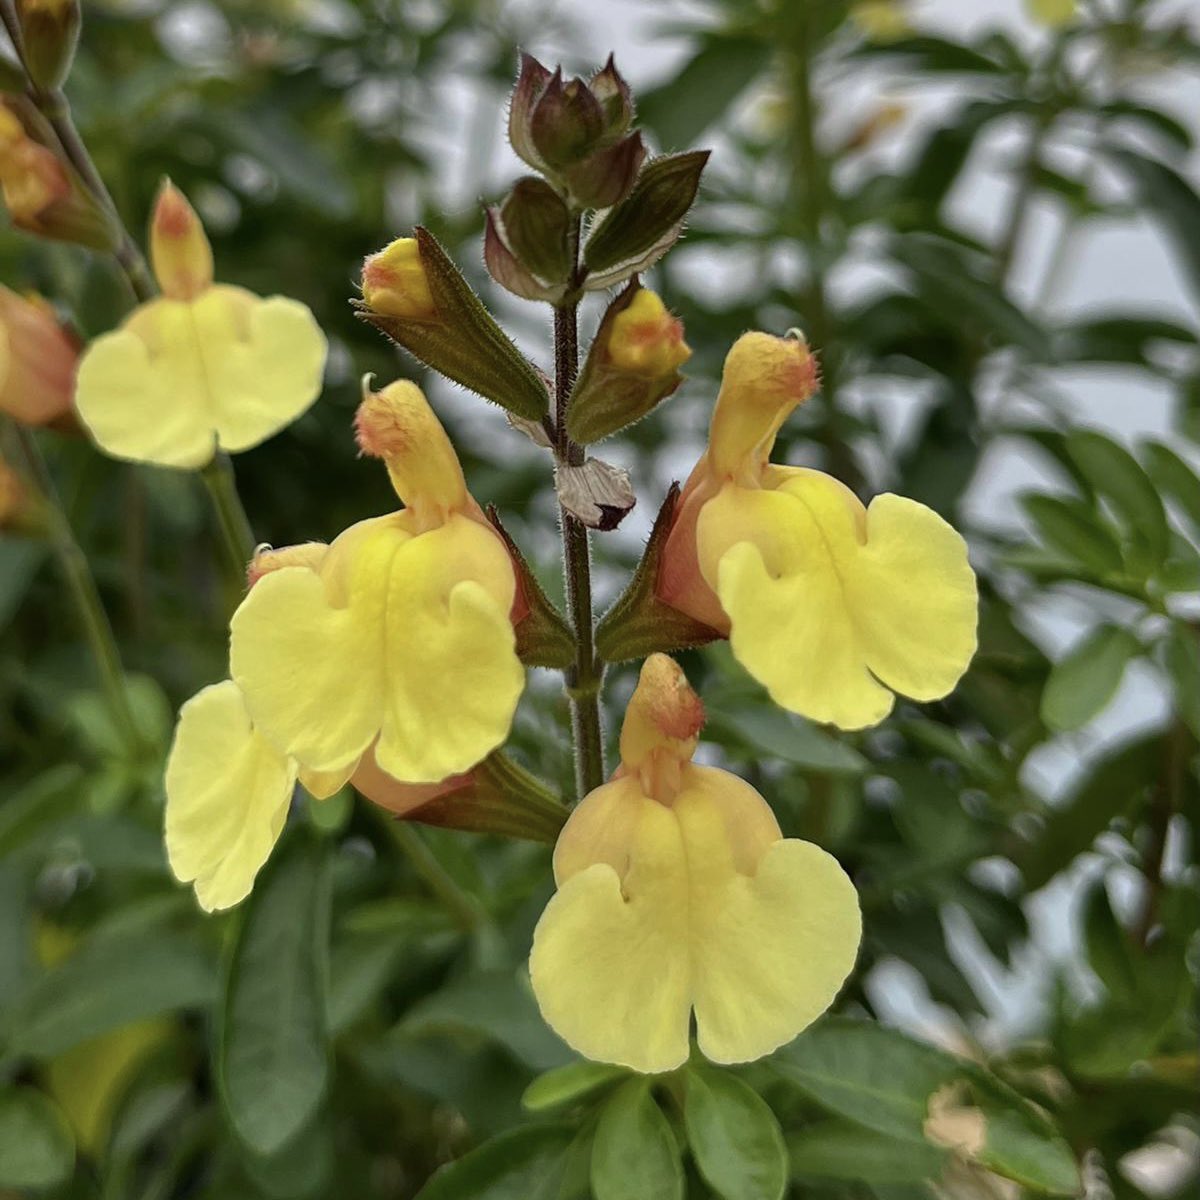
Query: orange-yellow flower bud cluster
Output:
(38,358)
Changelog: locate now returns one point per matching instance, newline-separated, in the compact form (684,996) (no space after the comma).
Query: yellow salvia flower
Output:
(403,637)
(645,339)
(678,893)
(205,366)
(831,605)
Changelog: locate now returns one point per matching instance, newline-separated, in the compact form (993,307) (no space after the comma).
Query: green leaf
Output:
(1170,198)
(1117,338)
(934,54)
(1181,657)
(705,90)
(20,559)
(1107,944)
(885,1081)
(874,1076)
(735,1138)
(496,1005)
(36,1146)
(1074,530)
(274,1055)
(566,1085)
(526,1164)
(107,983)
(1115,783)
(635,1155)
(767,729)
(1175,478)
(1114,473)
(1081,685)
(839,1150)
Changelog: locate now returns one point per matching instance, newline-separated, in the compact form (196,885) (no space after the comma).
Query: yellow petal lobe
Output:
(228,791)
(829,602)
(182,377)
(401,637)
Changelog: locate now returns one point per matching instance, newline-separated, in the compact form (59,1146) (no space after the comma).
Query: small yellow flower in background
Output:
(882,20)
(32,180)
(394,282)
(1054,14)
(37,361)
(646,339)
(208,365)
(403,633)
(677,892)
(831,605)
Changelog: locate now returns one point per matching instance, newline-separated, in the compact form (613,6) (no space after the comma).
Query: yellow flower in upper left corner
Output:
(206,365)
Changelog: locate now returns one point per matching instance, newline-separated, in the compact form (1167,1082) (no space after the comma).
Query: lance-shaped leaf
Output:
(637,232)
(639,623)
(461,338)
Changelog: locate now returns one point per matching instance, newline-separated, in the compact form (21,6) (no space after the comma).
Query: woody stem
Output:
(584,676)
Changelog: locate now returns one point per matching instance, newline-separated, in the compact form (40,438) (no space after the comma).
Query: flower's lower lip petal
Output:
(772,951)
(228,792)
(915,599)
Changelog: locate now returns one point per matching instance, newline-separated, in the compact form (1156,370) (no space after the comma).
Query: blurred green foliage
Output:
(345,1032)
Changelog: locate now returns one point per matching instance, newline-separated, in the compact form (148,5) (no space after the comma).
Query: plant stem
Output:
(583,678)
(82,586)
(810,194)
(462,907)
(236,535)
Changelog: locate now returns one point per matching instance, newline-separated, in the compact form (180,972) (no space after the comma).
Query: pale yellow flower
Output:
(678,893)
(205,366)
(832,605)
(403,637)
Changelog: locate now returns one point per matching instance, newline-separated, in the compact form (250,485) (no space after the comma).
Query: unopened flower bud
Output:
(567,122)
(615,98)
(41,194)
(37,361)
(607,175)
(645,339)
(632,366)
(398,426)
(49,35)
(765,378)
(394,283)
(31,175)
(526,246)
(179,249)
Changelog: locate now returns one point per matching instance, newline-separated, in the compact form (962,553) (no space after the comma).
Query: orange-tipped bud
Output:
(37,361)
(662,726)
(31,176)
(394,283)
(645,339)
(765,378)
(179,249)
(398,426)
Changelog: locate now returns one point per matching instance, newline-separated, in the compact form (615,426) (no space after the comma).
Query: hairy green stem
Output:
(463,908)
(584,676)
(82,586)
(236,535)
